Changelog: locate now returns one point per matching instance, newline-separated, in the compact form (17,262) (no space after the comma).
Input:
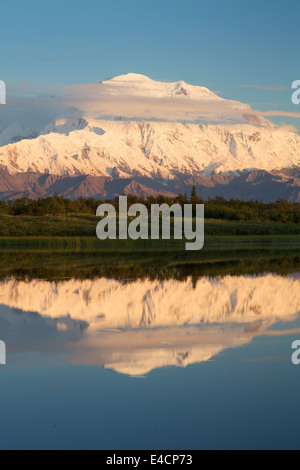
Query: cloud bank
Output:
(266,87)
(129,97)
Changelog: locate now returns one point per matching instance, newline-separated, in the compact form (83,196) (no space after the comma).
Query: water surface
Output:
(198,362)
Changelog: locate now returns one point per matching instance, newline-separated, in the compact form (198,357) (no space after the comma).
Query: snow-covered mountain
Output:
(132,127)
(150,149)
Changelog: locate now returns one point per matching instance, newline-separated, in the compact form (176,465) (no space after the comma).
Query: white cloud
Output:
(281,113)
(137,97)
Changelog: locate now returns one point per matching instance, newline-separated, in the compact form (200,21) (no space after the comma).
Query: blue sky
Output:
(232,47)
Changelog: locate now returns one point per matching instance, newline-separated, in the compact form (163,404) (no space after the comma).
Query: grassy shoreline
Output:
(60,247)
(88,258)
(60,265)
(84,226)
(88,243)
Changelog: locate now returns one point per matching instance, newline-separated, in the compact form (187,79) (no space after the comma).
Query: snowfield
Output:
(151,149)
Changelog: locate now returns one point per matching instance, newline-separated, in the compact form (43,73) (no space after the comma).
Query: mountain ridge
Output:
(253,185)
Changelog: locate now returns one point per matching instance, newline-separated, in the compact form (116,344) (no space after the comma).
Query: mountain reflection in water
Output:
(135,327)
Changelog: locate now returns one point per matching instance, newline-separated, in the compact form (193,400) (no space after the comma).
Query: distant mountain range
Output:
(134,135)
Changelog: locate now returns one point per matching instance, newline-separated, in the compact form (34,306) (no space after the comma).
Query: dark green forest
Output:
(280,211)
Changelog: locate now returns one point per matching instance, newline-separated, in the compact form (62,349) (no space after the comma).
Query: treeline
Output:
(217,208)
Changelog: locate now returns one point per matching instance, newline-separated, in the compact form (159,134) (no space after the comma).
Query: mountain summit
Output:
(139,85)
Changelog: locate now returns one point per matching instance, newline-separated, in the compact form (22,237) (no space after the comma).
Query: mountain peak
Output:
(129,77)
(135,84)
